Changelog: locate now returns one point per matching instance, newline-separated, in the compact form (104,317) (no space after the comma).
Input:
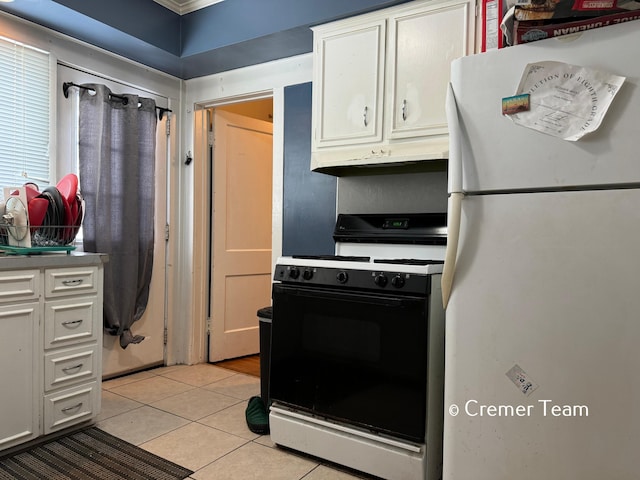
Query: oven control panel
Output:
(398,282)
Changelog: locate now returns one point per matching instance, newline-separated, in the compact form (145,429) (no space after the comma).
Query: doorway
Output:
(240,250)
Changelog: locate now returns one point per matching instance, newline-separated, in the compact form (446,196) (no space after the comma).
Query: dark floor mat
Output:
(89,454)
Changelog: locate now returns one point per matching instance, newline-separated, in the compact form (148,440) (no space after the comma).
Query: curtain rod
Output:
(125,100)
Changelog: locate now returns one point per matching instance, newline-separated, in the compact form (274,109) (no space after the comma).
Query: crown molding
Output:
(186,6)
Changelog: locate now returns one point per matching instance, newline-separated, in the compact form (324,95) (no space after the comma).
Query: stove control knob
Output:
(398,281)
(380,280)
(342,277)
(307,274)
(294,273)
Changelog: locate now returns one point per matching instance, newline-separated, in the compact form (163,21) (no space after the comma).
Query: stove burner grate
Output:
(407,261)
(342,258)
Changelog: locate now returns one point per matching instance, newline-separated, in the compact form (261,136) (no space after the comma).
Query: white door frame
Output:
(202,214)
(246,83)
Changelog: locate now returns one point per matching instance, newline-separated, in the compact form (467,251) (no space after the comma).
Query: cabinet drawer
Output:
(19,285)
(63,368)
(70,321)
(70,281)
(69,407)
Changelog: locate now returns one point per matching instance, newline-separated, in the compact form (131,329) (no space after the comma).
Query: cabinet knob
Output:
(366,121)
(404,110)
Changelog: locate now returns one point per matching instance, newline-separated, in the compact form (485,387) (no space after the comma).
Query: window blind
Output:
(25,91)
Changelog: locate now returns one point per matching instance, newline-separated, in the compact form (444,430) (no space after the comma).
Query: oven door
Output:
(358,358)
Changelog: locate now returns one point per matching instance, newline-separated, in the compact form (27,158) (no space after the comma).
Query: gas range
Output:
(357,347)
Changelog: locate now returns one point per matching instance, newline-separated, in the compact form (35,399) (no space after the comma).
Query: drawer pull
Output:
(75,407)
(71,322)
(75,367)
(71,283)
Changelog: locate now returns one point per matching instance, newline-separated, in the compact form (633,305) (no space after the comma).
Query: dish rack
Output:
(44,239)
(44,223)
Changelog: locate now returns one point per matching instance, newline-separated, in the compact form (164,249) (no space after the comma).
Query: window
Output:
(25,125)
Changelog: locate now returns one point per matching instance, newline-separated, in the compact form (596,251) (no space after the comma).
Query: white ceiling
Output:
(186,6)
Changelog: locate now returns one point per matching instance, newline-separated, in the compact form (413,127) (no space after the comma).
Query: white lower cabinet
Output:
(50,346)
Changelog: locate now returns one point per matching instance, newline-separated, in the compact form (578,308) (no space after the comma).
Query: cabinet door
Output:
(423,42)
(348,83)
(19,375)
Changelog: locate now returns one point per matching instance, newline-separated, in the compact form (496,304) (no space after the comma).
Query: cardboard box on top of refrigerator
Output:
(492,13)
(530,31)
(564,9)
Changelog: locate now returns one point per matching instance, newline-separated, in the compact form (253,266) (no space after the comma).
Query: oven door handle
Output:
(366,298)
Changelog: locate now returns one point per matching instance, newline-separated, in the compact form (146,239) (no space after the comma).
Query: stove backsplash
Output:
(422,192)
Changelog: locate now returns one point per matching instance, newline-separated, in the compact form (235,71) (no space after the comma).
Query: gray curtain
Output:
(117,143)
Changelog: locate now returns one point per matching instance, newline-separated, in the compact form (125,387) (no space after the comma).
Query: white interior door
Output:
(241,233)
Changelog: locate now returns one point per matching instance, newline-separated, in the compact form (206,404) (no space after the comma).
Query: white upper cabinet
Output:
(351,75)
(422,45)
(380,83)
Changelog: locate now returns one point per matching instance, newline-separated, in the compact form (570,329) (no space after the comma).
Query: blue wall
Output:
(309,198)
(218,38)
(235,21)
(147,21)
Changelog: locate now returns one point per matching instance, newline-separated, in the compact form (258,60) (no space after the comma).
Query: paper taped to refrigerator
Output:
(521,380)
(566,101)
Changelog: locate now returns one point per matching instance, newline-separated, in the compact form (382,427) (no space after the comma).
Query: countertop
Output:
(54,260)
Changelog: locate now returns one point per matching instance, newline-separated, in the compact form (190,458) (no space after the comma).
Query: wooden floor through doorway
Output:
(249,365)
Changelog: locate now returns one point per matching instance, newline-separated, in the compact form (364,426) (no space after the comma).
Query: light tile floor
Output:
(194,416)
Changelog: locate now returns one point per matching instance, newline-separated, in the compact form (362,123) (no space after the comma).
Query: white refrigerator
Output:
(542,371)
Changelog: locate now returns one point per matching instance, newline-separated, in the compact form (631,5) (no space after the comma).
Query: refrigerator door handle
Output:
(456,195)
(453,234)
(455,155)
